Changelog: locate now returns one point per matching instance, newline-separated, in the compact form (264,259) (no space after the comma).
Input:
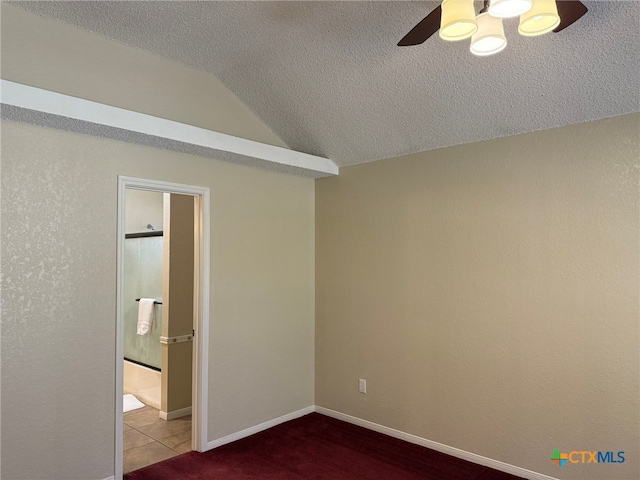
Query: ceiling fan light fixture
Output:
(458,20)
(542,18)
(489,38)
(509,8)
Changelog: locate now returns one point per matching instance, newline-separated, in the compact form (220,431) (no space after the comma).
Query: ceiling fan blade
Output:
(423,30)
(569,11)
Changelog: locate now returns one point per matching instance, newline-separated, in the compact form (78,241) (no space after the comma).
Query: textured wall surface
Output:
(49,54)
(489,294)
(59,244)
(58,220)
(58,312)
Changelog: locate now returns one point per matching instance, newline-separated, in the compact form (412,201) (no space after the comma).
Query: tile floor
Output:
(148,439)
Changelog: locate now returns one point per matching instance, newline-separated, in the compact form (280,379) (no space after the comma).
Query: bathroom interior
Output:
(158,327)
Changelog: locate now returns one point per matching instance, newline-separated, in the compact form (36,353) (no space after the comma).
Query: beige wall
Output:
(58,254)
(58,297)
(176,387)
(489,295)
(49,54)
(143,208)
(178,257)
(177,297)
(487,292)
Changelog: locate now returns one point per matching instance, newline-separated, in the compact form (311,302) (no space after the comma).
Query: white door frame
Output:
(201,311)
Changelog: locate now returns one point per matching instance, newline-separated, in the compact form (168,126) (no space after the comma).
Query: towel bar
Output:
(155,301)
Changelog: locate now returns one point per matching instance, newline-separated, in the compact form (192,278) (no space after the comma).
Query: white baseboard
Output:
(439,447)
(183,412)
(259,428)
(110,478)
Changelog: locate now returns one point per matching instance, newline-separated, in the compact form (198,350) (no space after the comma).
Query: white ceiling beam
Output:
(43,107)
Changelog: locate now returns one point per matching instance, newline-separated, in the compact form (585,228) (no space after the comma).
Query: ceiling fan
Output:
(456,20)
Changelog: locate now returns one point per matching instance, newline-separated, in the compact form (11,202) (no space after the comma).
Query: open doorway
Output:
(162,281)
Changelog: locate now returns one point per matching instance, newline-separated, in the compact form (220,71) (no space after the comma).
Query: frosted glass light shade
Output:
(508,8)
(542,18)
(489,38)
(458,20)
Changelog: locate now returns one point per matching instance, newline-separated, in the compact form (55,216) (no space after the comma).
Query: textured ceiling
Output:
(329,80)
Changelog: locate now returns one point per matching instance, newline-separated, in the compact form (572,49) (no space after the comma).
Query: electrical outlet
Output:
(362,386)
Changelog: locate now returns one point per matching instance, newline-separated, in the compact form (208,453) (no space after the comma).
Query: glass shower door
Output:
(142,279)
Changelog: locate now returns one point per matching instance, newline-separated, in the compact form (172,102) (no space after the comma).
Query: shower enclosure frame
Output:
(201,311)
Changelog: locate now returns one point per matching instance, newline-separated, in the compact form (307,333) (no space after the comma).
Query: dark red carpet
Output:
(318,447)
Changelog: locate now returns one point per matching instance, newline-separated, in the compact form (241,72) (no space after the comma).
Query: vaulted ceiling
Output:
(328,78)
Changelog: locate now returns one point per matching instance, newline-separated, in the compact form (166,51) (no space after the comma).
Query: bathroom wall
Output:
(178,274)
(143,208)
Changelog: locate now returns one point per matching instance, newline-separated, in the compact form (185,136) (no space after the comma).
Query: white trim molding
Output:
(27,104)
(178,339)
(182,412)
(259,428)
(438,447)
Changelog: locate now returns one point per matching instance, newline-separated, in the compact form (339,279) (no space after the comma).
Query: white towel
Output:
(146,315)
(130,402)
